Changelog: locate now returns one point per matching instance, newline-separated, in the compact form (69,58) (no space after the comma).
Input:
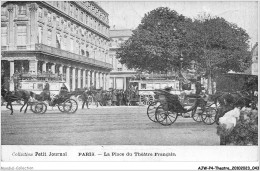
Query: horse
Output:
(86,98)
(229,100)
(10,97)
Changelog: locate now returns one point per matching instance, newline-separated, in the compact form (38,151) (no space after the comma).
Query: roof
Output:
(121,33)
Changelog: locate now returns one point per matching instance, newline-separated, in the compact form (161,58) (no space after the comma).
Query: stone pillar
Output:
(84,78)
(61,72)
(88,77)
(124,83)
(114,82)
(33,24)
(61,69)
(93,77)
(11,68)
(53,68)
(11,35)
(11,86)
(108,80)
(44,67)
(33,66)
(100,80)
(68,75)
(73,79)
(79,78)
(97,80)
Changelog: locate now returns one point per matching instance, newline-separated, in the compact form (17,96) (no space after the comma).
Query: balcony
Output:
(71,56)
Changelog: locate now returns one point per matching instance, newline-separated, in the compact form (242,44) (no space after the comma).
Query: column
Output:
(11,68)
(33,23)
(108,80)
(11,36)
(44,66)
(53,68)
(124,83)
(61,69)
(104,82)
(97,80)
(61,72)
(73,79)
(79,78)
(88,77)
(11,86)
(101,81)
(68,75)
(93,77)
(114,83)
(84,78)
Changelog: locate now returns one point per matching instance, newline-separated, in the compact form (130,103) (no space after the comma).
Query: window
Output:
(82,52)
(4,35)
(3,12)
(49,17)
(71,45)
(22,10)
(143,86)
(58,41)
(40,12)
(81,17)
(119,69)
(87,54)
(65,6)
(86,19)
(76,13)
(40,33)
(49,37)
(21,35)
(71,10)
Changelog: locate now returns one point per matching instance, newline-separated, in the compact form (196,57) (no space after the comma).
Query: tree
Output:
(155,43)
(218,46)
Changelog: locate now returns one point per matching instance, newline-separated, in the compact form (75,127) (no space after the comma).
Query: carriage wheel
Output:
(38,107)
(61,107)
(70,106)
(146,99)
(208,116)
(151,111)
(165,117)
(197,114)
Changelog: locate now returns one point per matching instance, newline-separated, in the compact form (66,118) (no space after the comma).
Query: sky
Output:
(128,14)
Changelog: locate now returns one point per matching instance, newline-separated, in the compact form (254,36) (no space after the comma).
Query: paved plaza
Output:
(114,125)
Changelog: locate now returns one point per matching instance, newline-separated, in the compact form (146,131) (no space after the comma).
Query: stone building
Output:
(65,37)
(254,67)
(120,75)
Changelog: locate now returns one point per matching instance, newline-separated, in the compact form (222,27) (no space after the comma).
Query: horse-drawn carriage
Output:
(32,90)
(232,90)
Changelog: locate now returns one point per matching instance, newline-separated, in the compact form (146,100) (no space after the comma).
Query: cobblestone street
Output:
(101,126)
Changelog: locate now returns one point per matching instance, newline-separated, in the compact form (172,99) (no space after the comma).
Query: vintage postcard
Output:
(129,85)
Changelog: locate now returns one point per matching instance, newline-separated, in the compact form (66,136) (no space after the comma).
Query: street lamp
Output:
(181,59)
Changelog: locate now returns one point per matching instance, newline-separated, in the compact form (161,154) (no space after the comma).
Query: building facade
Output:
(70,38)
(254,67)
(120,75)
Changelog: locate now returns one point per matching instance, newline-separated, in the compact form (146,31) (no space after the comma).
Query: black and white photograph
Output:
(129,81)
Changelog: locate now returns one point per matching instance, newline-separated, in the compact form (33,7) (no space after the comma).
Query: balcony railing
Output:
(71,56)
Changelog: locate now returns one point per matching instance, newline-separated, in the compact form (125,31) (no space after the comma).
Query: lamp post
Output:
(181,59)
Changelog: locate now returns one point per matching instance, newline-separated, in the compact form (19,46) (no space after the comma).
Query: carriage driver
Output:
(63,90)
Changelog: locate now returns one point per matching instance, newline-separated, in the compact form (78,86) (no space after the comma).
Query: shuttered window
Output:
(21,35)
(3,36)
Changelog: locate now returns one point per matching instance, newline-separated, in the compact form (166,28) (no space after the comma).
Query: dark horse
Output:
(10,97)
(86,97)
